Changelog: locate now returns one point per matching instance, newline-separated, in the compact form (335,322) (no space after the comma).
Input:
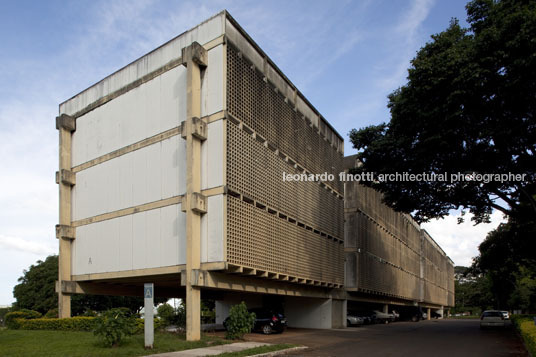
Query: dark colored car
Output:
(368,317)
(267,321)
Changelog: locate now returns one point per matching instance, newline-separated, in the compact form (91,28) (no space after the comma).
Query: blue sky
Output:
(345,56)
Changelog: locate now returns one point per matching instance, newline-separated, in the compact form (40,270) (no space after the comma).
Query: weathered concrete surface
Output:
(425,338)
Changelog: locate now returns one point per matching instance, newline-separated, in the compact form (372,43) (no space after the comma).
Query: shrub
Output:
(113,325)
(239,322)
(140,325)
(12,318)
(166,312)
(526,327)
(52,314)
(78,323)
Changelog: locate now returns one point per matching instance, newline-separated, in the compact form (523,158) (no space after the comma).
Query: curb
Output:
(280,352)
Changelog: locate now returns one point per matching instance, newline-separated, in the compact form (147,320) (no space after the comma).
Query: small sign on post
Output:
(148,298)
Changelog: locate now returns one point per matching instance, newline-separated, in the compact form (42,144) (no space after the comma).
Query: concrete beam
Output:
(245,283)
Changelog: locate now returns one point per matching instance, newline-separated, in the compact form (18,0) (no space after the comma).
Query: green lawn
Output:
(257,350)
(63,343)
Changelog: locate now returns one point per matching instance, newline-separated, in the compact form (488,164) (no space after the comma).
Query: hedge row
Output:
(527,328)
(12,317)
(78,323)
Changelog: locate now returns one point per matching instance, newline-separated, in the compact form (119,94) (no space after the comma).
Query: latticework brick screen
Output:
(292,228)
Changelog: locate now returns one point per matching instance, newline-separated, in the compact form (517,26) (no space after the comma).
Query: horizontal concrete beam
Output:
(247,283)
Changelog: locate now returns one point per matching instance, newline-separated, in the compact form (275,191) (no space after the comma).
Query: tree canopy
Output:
(36,291)
(468,107)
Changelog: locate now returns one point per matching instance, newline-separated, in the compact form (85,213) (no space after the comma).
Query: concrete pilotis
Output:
(66,125)
(194,204)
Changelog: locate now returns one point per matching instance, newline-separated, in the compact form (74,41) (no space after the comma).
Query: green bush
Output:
(78,323)
(158,324)
(166,312)
(52,314)
(114,325)
(240,322)
(12,318)
(526,327)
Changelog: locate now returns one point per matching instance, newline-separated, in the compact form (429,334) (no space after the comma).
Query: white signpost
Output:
(148,297)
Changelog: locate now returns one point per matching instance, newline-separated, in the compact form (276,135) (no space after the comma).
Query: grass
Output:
(66,343)
(257,350)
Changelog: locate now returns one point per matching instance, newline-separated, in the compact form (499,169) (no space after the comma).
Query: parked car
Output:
(368,317)
(354,320)
(506,315)
(383,317)
(266,321)
(492,318)
(410,313)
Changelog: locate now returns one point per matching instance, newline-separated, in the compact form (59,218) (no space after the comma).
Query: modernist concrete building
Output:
(171,172)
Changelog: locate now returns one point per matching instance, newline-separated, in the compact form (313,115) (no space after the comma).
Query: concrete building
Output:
(171,172)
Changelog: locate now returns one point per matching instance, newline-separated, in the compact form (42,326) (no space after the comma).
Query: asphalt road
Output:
(452,338)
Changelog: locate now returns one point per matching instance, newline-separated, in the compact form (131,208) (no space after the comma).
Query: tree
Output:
(468,107)
(508,261)
(36,291)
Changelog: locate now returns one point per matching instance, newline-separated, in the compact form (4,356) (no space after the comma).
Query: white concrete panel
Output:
(212,85)
(308,312)
(170,167)
(145,175)
(169,235)
(139,177)
(154,172)
(212,231)
(181,159)
(124,165)
(215,229)
(131,117)
(149,239)
(152,236)
(203,33)
(181,225)
(204,238)
(108,249)
(212,156)
(139,240)
(125,242)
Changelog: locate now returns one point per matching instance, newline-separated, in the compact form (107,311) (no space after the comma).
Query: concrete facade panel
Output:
(126,119)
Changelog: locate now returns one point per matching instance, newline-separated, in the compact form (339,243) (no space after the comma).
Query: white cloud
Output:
(26,246)
(461,241)
(407,38)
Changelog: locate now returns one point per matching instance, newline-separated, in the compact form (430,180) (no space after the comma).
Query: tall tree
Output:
(35,291)
(468,107)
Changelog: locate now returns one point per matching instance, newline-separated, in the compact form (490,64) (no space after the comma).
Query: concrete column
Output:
(442,312)
(193,203)
(338,313)
(385,308)
(428,313)
(66,125)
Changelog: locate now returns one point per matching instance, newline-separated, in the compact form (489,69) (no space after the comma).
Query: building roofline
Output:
(279,71)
